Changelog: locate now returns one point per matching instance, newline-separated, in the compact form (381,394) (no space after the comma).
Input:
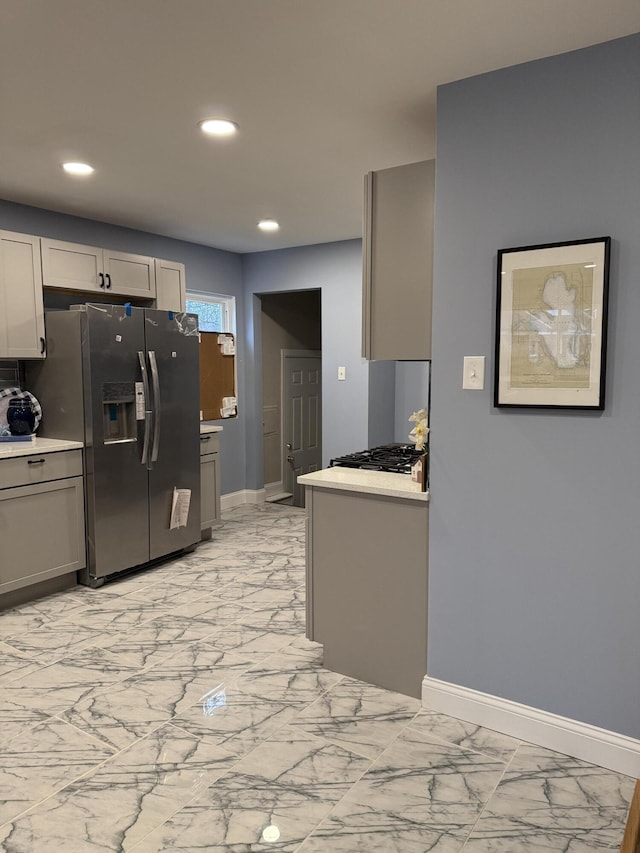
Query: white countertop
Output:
(367,482)
(13,449)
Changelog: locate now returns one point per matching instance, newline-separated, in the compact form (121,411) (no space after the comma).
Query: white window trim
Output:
(227,302)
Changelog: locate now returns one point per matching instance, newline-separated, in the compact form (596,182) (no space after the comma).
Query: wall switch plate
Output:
(342,373)
(473,373)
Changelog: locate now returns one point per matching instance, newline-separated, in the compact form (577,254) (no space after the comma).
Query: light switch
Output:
(342,373)
(473,373)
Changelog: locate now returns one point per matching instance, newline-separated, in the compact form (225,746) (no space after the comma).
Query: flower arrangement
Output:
(419,433)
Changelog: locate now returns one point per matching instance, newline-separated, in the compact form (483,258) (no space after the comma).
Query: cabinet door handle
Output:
(43,346)
(101,277)
(108,277)
(205,437)
(36,461)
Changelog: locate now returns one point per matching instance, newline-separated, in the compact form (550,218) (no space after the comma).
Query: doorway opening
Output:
(291,391)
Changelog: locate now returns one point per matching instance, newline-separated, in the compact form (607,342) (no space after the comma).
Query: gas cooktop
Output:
(396,458)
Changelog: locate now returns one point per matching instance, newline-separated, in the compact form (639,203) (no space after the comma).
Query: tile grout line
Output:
(68,782)
(372,763)
(485,806)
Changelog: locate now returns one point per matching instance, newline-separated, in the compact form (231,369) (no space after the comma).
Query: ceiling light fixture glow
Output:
(218,127)
(268,225)
(78,168)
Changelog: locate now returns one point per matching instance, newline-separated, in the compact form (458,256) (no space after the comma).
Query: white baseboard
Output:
(272,489)
(275,492)
(581,740)
(244,496)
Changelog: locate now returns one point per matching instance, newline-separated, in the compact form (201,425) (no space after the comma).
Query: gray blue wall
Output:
(335,269)
(535,532)
(207,270)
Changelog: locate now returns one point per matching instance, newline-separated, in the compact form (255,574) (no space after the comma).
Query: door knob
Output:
(290,459)
(289,447)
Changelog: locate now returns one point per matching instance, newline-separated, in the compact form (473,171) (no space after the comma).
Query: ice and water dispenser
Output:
(122,403)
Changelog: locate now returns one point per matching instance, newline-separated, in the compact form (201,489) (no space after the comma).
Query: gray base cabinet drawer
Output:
(39,468)
(41,532)
(209,443)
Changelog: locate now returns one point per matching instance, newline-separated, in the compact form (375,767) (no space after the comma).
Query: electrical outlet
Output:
(342,373)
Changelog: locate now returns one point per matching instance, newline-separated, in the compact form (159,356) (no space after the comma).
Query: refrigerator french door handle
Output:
(147,414)
(155,378)
(145,447)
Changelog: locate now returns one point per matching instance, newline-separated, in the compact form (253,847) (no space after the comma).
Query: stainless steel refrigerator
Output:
(125,382)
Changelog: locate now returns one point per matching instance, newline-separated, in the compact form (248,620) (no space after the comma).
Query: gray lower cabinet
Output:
(367,581)
(42,532)
(398,262)
(210,514)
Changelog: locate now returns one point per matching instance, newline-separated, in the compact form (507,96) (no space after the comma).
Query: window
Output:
(216,313)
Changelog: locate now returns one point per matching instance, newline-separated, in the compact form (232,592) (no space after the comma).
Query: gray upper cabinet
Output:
(21,308)
(130,275)
(170,286)
(72,266)
(398,262)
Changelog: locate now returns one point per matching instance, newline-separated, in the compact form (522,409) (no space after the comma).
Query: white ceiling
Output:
(323,91)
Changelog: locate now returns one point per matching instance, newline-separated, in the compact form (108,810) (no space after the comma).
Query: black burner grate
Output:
(396,458)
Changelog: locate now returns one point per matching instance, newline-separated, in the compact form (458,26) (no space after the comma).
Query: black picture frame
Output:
(551,325)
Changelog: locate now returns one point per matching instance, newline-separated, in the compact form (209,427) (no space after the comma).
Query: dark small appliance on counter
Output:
(20,416)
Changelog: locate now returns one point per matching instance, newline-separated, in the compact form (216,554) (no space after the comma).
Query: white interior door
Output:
(302,418)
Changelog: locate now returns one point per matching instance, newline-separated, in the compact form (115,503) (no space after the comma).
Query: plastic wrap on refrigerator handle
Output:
(187,323)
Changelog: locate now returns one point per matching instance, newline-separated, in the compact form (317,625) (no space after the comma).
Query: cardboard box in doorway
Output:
(218,398)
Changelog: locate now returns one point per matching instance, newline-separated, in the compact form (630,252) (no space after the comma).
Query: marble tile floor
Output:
(182,709)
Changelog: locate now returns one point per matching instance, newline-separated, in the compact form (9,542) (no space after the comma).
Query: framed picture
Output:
(551,327)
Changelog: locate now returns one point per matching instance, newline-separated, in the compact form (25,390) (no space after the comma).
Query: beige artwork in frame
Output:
(551,325)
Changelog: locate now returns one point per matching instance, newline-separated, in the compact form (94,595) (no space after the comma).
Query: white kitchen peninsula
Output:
(367,574)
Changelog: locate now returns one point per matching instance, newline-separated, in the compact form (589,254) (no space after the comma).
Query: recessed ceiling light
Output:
(218,127)
(268,225)
(78,168)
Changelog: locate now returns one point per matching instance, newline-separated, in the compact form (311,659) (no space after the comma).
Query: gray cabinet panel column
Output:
(367,584)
